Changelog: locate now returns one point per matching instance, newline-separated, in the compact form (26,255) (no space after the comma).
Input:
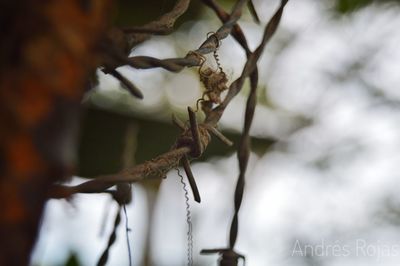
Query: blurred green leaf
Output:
(103,136)
(72,261)
(346,6)
(101,143)
(128,12)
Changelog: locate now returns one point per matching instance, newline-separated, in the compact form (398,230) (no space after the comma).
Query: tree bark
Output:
(48,50)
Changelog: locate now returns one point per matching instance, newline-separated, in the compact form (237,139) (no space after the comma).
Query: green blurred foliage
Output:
(103,135)
(72,261)
(101,143)
(346,6)
(128,12)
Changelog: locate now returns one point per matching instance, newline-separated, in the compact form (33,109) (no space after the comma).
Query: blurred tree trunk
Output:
(47,53)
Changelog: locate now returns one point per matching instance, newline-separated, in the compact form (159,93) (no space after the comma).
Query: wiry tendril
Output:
(127,230)
(188,221)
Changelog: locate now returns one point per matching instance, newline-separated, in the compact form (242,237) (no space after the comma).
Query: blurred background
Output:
(326,135)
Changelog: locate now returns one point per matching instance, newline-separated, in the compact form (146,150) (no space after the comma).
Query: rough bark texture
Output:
(47,51)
